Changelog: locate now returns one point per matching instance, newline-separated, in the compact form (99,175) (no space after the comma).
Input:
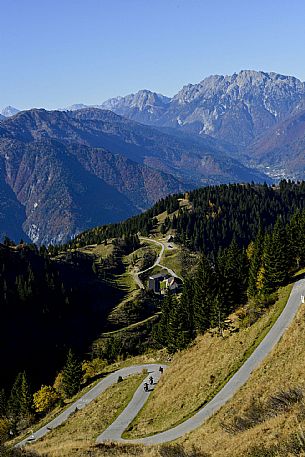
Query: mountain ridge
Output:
(38,162)
(213,106)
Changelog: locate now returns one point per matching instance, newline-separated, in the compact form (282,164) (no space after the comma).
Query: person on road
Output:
(161,370)
(145,386)
(151,380)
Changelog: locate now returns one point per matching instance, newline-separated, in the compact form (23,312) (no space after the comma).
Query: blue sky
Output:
(57,52)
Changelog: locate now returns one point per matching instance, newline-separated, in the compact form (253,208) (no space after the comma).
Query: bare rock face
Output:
(236,108)
(144,106)
(9,111)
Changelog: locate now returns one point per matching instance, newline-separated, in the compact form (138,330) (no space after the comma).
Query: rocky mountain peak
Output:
(139,100)
(233,108)
(9,111)
(245,83)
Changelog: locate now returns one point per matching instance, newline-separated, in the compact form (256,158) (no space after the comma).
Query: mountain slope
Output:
(74,170)
(235,108)
(144,106)
(283,146)
(184,158)
(60,196)
(12,212)
(68,188)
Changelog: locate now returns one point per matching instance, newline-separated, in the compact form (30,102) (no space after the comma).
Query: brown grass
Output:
(196,374)
(81,430)
(100,250)
(281,435)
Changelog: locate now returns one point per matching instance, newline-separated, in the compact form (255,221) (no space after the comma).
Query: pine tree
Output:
(255,263)
(72,375)
(217,312)
(296,237)
(275,258)
(232,272)
(181,329)
(204,291)
(14,399)
(25,397)
(162,329)
(20,400)
(176,327)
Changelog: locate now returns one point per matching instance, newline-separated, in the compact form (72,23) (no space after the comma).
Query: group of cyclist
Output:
(151,380)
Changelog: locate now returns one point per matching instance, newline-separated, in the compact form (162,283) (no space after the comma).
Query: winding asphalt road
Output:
(156,263)
(236,382)
(115,430)
(153,370)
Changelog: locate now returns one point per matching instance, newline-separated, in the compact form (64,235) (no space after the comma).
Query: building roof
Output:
(157,276)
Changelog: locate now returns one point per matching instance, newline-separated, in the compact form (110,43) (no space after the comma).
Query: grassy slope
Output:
(126,282)
(280,435)
(196,374)
(81,430)
(99,250)
(282,369)
(172,259)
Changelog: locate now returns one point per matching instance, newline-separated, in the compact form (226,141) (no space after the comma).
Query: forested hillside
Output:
(52,309)
(49,306)
(251,238)
(214,216)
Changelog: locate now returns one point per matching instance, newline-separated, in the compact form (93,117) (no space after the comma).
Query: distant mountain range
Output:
(63,172)
(243,109)
(55,186)
(219,105)
(54,164)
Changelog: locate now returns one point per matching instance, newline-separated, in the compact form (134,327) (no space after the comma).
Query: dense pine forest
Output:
(49,305)
(235,276)
(215,215)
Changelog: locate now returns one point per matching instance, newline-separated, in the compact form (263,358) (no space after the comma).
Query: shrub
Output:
(92,368)
(45,398)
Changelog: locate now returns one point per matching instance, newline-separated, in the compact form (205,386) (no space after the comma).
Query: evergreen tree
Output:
(255,262)
(217,312)
(181,329)
(72,375)
(204,291)
(296,239)
(275,258)
(176,327)
(25,397)
(20,400)
(162,329)
(232,271)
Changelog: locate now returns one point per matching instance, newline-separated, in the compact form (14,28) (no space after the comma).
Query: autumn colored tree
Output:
(45,398)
